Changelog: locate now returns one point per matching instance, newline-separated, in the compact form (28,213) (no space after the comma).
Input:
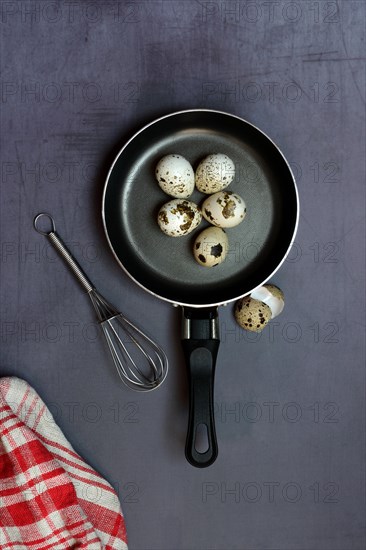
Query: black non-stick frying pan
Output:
(165,266)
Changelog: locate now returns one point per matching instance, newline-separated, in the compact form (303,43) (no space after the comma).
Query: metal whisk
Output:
(141,363)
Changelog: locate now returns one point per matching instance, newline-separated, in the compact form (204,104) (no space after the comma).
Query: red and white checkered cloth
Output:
(50,499)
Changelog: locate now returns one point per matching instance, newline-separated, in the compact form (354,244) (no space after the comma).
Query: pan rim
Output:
(177,302)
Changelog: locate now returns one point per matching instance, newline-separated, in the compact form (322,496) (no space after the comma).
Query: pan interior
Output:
(165,265)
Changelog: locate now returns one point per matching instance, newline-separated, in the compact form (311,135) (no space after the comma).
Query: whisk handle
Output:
(200,345)
(61,248)
(63,251)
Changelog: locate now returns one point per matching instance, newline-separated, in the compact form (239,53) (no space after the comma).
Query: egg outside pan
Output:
(252,314)
(272,296)
(275,291)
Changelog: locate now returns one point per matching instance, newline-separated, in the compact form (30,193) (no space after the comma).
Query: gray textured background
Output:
(77,79)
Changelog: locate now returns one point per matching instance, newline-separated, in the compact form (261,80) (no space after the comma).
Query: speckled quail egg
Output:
(224,209)
(214,173)
(179,217)
(252,314)
(272,296)
(210,247)
(175,176)
(275,291)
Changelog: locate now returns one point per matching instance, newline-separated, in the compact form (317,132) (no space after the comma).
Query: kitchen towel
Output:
(50,499)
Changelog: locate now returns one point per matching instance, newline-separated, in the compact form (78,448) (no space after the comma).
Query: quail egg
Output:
(272,296)
(214,173)
(175,176)
(252,314)
(224,209)
(179,217)
(210,247)
(275,291)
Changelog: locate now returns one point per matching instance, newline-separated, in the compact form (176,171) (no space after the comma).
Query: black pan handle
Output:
(200,345)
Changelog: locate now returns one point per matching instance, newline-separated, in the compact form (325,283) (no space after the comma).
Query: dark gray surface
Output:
(293,477)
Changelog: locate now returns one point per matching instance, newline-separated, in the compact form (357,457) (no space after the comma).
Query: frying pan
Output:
(165,266)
